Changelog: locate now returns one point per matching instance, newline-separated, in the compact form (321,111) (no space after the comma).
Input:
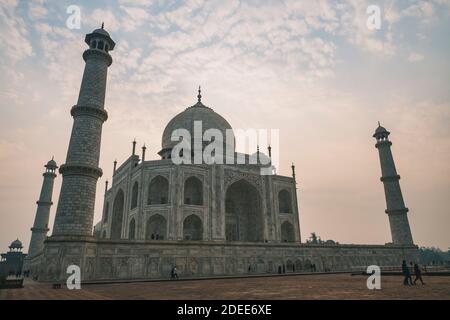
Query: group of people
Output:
(407,272)
(156,237)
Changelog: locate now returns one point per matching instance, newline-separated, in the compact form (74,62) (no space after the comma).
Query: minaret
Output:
(396,210)
(75,212)
(40,226)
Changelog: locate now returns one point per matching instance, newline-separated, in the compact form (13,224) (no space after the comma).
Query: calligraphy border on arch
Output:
(231,176)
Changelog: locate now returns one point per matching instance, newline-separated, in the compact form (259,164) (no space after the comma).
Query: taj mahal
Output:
(219,219)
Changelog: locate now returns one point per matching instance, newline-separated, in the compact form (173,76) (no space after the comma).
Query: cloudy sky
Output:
(312,69)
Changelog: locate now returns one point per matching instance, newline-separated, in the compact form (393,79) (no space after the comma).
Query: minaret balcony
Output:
(80,169)
(97,53)
(392,212)
(95,111)
(49,174)
(44,203)
(390,178)
(383,143)
(44,230)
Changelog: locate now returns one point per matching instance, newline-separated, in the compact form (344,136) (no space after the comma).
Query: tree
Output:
(313,238)
(432,255)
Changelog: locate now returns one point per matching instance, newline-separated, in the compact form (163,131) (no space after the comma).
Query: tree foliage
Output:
(433,255)
(314,239)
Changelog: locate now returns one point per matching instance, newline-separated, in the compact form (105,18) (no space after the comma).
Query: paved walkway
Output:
(326,286)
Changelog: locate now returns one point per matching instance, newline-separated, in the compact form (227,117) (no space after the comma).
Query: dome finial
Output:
(199,96)
(293,171)
(144,148)
(134,146)
(103,25)
(379,124)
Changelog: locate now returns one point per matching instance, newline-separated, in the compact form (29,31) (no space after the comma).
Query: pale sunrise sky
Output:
(311,69)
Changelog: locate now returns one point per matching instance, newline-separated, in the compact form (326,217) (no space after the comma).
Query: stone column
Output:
(75,212)
(40,225)
(396,210)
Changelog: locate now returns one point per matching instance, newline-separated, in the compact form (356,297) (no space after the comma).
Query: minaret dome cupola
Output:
(99,39)
(381,134)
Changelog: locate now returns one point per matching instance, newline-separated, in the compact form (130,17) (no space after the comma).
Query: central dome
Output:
(185,120)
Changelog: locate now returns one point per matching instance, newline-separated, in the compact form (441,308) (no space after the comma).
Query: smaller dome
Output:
(380,129)
(51,164)
(102,34)
(16,244)
(101,31)
(263,158)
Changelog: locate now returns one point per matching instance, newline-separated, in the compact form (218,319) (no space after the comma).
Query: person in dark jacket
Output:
(418,274)
(406,274)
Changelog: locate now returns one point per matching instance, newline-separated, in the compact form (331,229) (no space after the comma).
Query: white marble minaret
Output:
(40,226)
(396,210)
(75,212)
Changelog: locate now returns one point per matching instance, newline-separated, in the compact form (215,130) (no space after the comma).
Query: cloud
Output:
(127,59)
(59,45)
(98,16)
(259,63)
(145,3)
(134,18)
(415,57)
(13,36)
(421,10)
(353,26)
(37,11)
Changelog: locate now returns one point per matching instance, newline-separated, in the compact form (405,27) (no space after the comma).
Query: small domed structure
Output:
(51,164)
(259,157)
(16,244)
(101,31)
(380,129)
(99,39)
(381,133)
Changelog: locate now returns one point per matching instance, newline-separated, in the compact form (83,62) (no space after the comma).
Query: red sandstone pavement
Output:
(338,286)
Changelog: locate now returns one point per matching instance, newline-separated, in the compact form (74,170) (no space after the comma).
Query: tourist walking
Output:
(411,272)
(406,274)
(418,274)
(173,273)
